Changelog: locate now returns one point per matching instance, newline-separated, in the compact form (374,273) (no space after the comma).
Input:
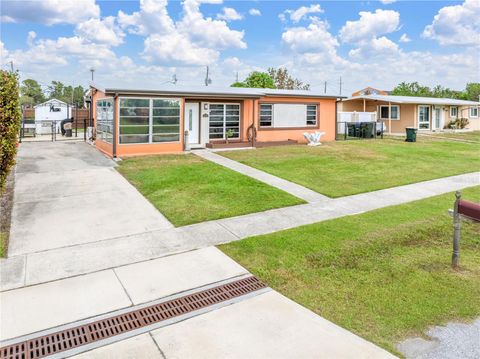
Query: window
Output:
(424,117)
(395,115)
(224,117)
(104,124)
(149,120)
(311,115)
(288,115)
(453,111)
(266,115)
(474,112)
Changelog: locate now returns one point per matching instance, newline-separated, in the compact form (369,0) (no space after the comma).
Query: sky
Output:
(146,42)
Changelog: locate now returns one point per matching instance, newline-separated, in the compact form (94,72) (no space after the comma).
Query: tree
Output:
(31,92)
(283,80)
(472,91)
(411,89)
(64,93)
(256,79)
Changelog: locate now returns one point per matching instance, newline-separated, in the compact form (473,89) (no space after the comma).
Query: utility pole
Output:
(174,79)
(11,65)
(208,80)
(92,70)
(325,89)
(236,77)
(340,85)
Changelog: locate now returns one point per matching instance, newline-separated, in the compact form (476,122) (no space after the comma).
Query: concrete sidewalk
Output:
(53,264)
(258,326)
(274,181)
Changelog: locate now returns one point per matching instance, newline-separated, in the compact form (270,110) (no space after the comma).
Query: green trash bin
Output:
(411,134)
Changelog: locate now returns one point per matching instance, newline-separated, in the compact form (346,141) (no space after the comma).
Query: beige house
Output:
(399,112)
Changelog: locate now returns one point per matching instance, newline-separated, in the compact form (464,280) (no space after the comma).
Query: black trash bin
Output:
(68,133)
(411,134)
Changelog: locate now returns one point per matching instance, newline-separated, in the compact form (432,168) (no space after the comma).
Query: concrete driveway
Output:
(68,193)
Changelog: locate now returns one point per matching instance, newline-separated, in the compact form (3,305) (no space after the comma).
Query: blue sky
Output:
(367,43)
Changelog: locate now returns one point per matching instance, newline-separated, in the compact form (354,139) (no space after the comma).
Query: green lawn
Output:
(188,189)
(384,275)
(469,136)
(343,168)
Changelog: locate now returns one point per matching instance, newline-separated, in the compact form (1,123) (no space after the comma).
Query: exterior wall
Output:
(104,147)
(325,120)
(249,114)
(408,113)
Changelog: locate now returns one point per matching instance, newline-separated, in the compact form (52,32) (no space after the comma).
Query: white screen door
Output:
(192,122)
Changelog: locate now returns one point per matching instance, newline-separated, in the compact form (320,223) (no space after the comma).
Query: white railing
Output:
(357,116)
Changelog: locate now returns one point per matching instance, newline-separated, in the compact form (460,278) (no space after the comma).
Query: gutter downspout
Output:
(115,130)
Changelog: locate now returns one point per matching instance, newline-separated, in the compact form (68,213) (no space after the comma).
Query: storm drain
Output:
(68,339)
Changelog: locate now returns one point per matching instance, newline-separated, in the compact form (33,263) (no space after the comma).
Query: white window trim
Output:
(470,111)
(456,114)
(393,119)
(306,114)
(260,114)
(150,120)
(429,118)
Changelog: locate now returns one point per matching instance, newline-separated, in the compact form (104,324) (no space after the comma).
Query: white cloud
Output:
(312,41)
(456,25)
(49,12)
(102,31)
(192,40)
(377,47)
(370,25)
(30,37)
(301,12)
(404,38)
(229,14)
(387,1)
(176,48)
(255,12)
(152,18)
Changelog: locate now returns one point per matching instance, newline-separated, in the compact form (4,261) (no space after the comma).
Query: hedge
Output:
(10,119)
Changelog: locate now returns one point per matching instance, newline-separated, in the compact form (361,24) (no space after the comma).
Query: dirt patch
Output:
(6,204)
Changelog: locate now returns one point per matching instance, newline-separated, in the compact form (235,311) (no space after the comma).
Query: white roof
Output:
(53,100)
(415,100)
(211,91)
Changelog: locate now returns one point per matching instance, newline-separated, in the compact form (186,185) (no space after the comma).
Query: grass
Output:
(469,136)
(188,189)
(338,169)
(384,275)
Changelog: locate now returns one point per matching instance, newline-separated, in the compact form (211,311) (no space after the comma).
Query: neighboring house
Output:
(174,119)
(399,112)
(51,110)
(370,91)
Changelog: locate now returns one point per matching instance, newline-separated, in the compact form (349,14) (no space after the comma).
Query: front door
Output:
(192,122)
(438,123)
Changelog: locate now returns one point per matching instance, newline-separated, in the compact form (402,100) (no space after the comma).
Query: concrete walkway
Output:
(56,263)
(258,326)
(274,181)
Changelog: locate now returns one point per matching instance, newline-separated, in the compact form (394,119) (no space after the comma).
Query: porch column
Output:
(389,118)
(364,106)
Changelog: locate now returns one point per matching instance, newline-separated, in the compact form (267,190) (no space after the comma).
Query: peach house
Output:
(173,119)
(399,112)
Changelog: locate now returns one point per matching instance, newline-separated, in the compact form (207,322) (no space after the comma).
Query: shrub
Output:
(10,118)
(458,123)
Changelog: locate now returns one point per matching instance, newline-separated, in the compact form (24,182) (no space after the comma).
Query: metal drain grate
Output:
(109,327)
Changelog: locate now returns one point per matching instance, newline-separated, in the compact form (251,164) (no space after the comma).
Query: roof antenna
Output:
(174,79)
(208,80)
(92,70)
